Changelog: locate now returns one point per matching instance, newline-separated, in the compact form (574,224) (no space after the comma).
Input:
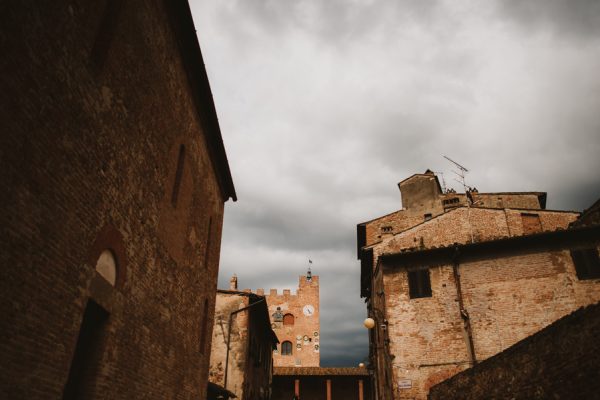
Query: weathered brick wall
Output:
(423,198)
(238,343)
(89,144)
(306,351)
(506,298)
(562,361)
(485,224)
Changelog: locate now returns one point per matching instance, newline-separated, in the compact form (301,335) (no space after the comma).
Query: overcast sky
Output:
(325,105)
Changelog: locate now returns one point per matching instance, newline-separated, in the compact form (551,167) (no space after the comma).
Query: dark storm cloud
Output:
(333,21)
(326,105)
(568,18)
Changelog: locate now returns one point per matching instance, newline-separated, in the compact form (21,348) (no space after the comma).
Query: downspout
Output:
(229,336)
(463,312)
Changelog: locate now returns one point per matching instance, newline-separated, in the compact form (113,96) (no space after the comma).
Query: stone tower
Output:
(295,320)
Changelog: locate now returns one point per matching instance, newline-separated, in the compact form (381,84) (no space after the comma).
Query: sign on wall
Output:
(404,384)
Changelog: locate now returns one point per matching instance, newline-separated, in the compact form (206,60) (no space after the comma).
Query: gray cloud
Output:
(566,18)
(325,105)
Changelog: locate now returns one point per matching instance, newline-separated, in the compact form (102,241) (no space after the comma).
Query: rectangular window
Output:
(531,223)
(587,263)
(427,217)
(419,283)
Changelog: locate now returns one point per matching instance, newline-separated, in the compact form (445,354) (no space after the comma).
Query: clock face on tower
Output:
(308,310)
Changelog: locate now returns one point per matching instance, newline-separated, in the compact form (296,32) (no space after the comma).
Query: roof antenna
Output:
(467,189)
(460,174)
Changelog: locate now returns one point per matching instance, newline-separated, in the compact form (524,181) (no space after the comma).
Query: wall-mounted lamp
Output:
(369,323)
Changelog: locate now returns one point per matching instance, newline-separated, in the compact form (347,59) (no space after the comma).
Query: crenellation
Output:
(295,321)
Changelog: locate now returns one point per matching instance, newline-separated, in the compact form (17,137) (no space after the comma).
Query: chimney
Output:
(233,283)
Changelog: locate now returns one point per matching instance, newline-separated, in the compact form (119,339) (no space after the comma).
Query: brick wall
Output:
(561,361)
(506,298)
(238,345)
(456,226)
(89,161)
(306,352)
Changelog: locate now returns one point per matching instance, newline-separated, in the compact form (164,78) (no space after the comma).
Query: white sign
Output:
(404,384)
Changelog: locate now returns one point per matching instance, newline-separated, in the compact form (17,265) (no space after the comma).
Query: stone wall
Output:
(561,361)
(105,147)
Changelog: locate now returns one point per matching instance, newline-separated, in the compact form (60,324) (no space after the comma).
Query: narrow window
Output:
(419,283)
(204,327)
(88,353)
(587,263)
(106,31)
(288,319)
(286,348)
(531,223)
(208,238)
(178,175)
(427,217)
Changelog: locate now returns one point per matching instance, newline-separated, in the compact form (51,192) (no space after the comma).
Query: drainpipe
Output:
(463,312)
(229,336)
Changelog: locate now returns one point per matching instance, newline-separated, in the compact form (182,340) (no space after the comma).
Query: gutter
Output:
(464,314)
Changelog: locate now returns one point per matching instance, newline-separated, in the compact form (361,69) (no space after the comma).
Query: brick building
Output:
(113,177)
(295,320)
(452,279)
(242,345)
(320,383)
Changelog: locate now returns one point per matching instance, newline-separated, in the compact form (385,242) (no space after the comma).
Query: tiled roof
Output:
(321,371)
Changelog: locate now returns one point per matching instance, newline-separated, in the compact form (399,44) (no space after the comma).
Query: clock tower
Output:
(295,320)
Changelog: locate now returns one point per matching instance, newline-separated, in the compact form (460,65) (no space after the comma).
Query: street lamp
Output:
(369,323)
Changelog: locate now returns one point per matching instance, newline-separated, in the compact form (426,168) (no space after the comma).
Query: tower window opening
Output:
(286,348)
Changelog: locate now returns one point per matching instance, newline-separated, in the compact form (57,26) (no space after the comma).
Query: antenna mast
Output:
(461,175)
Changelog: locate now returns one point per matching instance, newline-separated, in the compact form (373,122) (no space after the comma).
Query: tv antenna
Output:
(460,174)
(467,189)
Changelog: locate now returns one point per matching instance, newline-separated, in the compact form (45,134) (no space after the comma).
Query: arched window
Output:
(288,319)
(107,266)
(286,348)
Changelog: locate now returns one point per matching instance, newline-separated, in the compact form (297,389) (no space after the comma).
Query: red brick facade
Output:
(300,323)
(111,146)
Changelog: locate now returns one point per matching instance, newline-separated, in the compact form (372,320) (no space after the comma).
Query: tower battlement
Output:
(295,321)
